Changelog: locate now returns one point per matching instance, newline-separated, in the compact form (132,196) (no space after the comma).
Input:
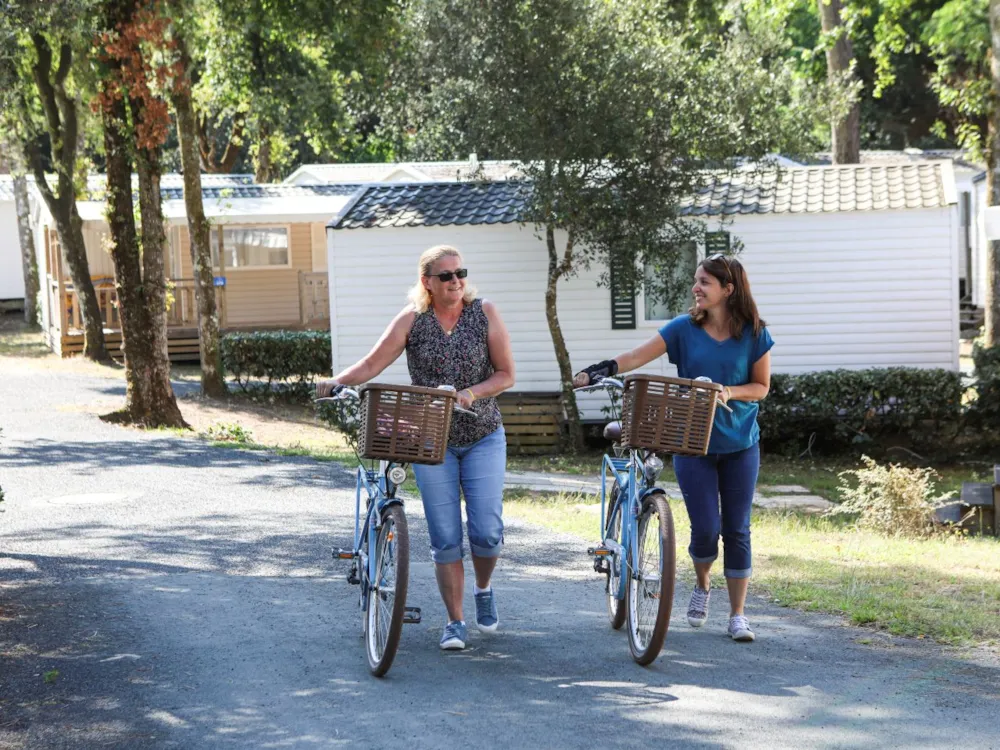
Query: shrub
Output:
(984,410)
(229,432)
(840,409)
(287,360)
(343,416)
(890,499)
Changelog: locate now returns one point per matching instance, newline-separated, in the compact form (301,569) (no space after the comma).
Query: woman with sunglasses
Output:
(451,337)
(722,337)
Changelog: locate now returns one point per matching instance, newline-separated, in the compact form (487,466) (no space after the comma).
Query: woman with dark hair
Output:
(723,338)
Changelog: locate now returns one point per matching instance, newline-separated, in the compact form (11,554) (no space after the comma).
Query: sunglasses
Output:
(461,273)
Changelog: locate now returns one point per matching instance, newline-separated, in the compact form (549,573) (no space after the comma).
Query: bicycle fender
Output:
(652,491)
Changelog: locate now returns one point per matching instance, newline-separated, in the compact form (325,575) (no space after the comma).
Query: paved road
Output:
(193,605)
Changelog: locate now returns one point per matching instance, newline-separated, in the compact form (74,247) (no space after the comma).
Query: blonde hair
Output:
(418,295)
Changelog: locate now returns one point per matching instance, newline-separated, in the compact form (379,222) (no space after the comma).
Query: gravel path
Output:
(186,598)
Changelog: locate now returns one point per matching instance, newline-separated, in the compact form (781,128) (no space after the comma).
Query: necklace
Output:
(448,331)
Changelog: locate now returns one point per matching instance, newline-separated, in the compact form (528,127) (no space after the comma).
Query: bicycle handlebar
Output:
(340,393)
(609,383)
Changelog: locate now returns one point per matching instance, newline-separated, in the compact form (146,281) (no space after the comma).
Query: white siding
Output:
(838,290)
(856,290)
(11,272)
(979,245)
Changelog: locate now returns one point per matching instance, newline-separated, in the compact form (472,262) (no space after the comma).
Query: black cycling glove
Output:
(606,369)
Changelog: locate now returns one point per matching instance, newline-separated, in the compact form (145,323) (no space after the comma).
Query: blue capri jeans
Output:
(478,470)
(718,492)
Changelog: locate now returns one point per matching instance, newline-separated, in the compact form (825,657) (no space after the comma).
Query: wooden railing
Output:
(181,312)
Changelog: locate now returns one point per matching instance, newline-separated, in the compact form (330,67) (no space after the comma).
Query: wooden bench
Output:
(533,421)
(978,505)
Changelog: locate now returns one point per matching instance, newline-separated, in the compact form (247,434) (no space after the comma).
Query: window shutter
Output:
(716,242)
(622,302)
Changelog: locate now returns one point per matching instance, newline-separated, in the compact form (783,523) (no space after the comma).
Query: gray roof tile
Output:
(435,204)
(820,189)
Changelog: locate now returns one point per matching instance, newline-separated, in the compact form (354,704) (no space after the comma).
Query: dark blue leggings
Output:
(718,492)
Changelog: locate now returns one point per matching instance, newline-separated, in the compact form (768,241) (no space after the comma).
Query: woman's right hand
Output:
(325,388)
(605,369)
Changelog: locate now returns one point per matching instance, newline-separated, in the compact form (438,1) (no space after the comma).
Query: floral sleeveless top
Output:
(462,360)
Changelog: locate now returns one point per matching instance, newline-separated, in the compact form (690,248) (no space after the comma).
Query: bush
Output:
(343,416)
(264,361)
(984,410)
(890,499)
(842,409)
(229,432)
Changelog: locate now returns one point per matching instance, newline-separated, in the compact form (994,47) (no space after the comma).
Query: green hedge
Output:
(841,409)
(265,361)
(984,408)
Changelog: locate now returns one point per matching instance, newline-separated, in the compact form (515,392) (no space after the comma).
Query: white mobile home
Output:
(11,272)
(852,267)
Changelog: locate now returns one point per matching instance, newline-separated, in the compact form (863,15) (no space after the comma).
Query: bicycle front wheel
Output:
(613,531)
(387,597)
(651,580)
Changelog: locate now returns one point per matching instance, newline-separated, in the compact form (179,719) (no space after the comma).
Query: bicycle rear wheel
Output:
(650,594)
(387,597)
(613,531)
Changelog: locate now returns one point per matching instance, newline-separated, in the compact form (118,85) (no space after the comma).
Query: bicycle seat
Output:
(613,431)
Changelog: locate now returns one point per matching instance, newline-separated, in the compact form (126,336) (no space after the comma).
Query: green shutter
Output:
(716,242)
(622,302)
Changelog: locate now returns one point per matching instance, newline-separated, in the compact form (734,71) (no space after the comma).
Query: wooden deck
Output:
(65,336)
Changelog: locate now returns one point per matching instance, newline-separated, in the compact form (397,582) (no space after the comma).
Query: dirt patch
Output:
(288,426)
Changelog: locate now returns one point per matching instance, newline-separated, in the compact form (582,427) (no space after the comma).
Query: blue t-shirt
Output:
(728,362)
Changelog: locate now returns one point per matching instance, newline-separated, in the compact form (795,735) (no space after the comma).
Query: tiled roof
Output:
(907,156)
(788,191)
(823,189)
(434,204)
(261,191)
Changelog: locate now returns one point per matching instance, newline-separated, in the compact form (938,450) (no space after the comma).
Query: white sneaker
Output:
(739,628)
(698,607)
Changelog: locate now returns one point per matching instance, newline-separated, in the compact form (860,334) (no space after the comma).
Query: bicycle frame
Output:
(629,473)
(379,493)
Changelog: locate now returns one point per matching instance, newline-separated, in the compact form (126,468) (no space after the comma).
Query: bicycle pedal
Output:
(599,551)
(601,565)
(411,616)
(344,554)
(352,576)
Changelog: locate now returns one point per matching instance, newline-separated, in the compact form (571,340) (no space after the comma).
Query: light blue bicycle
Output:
(637,553)
(410,425)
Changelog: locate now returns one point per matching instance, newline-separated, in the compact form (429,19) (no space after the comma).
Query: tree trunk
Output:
(265,171)
(62,126)
(992,301)
(562,354)
(149,398)
(846,131)
(29,261)
(213,382)
(161,403)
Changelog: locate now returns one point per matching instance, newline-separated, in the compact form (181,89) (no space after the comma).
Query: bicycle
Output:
(399,425)
(637,552)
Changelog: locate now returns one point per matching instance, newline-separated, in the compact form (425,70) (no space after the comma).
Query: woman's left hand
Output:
(725,395)
(465,398)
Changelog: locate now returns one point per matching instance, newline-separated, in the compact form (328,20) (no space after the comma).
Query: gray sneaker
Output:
(739,628)
(455,635)
(698,607)
(487,619)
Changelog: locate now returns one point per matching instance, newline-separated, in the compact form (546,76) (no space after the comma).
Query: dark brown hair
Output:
(741,306)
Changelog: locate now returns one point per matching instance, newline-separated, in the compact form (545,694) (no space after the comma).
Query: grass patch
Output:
(18,339)
(946,588)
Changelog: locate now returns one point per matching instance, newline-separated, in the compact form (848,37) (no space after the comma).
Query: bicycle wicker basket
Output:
(668,415)
(404,423)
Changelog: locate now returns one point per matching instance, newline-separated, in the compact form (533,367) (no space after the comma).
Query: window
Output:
(664,307)
(251,247)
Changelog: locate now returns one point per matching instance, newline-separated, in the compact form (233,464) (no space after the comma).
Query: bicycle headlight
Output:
(397,475)
(653,467)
